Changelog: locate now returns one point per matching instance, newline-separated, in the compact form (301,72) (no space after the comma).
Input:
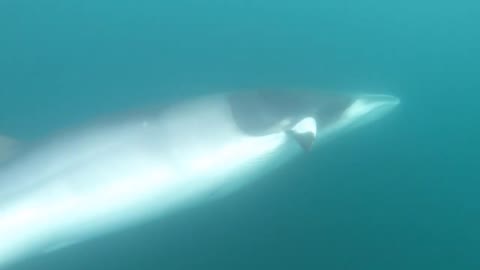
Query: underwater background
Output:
(403,193)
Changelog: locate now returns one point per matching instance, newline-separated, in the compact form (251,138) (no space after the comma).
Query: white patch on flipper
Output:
(305,133)
(307,125)
(7,148)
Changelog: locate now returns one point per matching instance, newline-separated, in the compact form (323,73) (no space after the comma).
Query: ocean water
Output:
(400,194)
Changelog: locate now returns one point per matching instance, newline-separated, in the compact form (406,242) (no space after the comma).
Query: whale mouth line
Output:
(379,104)
(380,98)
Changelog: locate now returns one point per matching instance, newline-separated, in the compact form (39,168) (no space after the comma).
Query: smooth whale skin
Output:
(102,179)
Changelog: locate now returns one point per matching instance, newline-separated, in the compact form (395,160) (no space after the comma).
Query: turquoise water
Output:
(402,194)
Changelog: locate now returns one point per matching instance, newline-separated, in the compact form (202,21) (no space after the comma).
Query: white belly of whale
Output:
(117,186)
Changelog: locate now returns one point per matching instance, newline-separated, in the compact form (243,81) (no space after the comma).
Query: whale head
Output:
(308,116)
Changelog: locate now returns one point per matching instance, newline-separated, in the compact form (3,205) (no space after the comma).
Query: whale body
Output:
(104,178)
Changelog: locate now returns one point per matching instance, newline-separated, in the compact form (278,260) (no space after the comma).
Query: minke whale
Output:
(101,179)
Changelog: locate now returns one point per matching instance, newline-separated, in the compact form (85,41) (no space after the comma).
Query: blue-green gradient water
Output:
(401,194)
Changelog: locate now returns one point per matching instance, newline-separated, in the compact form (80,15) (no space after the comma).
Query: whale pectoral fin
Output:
(305,140)
(8,148)
(305,133)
